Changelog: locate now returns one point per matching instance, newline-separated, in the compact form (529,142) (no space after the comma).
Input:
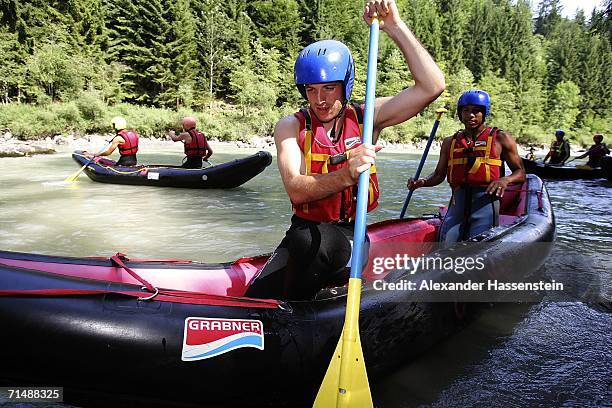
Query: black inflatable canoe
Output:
(568,172)
(169,331)
(226,175)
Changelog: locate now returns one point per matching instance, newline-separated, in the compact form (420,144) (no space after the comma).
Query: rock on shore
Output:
(11,147)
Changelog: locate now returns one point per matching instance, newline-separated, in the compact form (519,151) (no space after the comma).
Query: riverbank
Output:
(13,147)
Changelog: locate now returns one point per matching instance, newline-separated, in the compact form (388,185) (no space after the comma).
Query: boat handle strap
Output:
(118,259)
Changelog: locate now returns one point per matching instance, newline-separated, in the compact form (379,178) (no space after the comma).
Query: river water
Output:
(546,354)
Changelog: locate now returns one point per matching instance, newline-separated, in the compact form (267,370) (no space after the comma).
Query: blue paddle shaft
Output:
(421,164)
(363,186)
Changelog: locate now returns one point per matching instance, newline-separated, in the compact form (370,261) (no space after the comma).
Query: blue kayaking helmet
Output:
(325,61)
(559,132)
(474,97)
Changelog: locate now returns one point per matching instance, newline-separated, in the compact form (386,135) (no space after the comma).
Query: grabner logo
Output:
(351,141)
(206,338)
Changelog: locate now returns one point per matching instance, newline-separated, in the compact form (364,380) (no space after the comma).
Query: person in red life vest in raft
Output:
(471,160)
(126,140)
(320,155)
(559,150)
(197,148)
(596,153)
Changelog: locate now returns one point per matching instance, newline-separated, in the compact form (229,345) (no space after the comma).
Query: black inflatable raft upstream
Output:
(194,336)
(569,172)
(225,175)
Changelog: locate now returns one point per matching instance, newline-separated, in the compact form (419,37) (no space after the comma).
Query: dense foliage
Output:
(99,58)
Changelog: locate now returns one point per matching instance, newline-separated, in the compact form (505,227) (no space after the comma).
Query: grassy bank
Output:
(221,121)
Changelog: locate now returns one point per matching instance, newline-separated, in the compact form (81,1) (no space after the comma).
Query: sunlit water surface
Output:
(548,354)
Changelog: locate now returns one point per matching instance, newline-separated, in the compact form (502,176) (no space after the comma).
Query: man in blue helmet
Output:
(559,150)
(472,161)
(320,155)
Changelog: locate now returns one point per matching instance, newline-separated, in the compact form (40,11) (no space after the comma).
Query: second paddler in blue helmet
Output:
(472,162)
(320,155)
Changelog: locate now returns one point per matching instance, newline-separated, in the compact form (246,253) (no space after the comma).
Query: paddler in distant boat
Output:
(197,149)
(596,153)
(472,162)
(126,140)
(320,154)
(559,150)
(531,155)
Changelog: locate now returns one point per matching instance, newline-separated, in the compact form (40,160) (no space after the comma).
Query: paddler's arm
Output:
(209,150)
(181,137)
(428,78)
(116,142)
(303,188)
(509,153)
(582,156)
(439,173)
(566,152)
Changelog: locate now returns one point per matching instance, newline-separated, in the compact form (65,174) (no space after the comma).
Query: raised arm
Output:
(428,78)
(183,136)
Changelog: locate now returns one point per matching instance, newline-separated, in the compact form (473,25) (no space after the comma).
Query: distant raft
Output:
(547,171)
(182,332)
(225,175)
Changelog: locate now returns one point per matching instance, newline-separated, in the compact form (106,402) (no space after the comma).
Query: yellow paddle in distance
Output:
(346,381)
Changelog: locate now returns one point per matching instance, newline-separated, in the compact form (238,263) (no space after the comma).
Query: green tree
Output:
(213,37)
(277,22)
(249,91)
(156,44)
(549,15)
(85,23)
(52,71)
(12,68)
(393,75)
(564,105)
(601,21)
(503,102)
(478,43)
(452,31)
(341,20)
(563,53)
(520,62)
(424,19)
(456,84)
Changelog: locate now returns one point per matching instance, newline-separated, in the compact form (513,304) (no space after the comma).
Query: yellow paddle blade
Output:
(354,391)
(346,381)
(75,176)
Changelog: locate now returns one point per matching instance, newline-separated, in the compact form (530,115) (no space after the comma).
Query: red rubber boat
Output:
(173,331)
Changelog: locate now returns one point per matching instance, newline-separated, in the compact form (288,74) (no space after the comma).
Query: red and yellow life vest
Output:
(596,153)
(557,150)
(323,156)
(197,146)
(474,162)
(131,142)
